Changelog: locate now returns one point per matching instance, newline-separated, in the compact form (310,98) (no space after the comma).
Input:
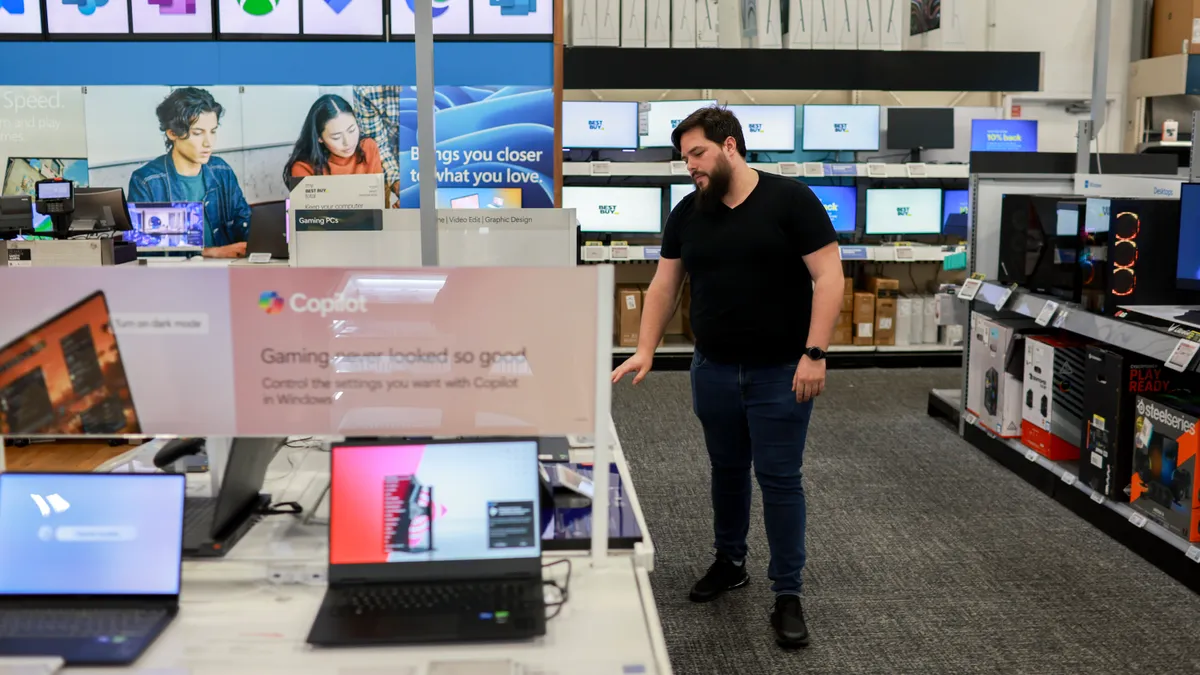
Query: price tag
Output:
(1004,296)
(970,289)
(970,419)
(905,253)
(1193,554)
(1068,478)
(1061,318)
(1097,497)
(1137,520)
(679,169)
(259,258)
(1031,455)
(1181,357)
(1047,313)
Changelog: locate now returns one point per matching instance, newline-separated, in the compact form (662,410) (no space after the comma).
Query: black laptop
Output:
(212,525)
(433,542)
(268,230)
(89,564)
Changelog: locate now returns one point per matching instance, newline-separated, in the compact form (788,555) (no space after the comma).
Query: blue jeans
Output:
(750,417)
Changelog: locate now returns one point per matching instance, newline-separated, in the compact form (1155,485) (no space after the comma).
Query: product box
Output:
(1175,22)
(800,24)
(633,23)
(1113,381)
(885,321)
(608,23)
(904,310)
(1052,402)
(628,319)
(708,30)
(658,23)
(864,318)
(995,373)
(917,324)
(583,22)
(929,325)
(683,23)
(843,330)
(1164,463)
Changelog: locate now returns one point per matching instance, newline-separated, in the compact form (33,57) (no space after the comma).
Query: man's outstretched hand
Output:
(638,364)
(237,250)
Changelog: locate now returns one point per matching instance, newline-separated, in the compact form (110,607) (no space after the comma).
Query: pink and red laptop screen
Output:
(435,502)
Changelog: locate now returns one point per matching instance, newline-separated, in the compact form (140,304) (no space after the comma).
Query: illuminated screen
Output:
(259,17)
(91,533)
(65,377)
(635,210)
(172,17)
(679,191)
(841,203)
(1004,136)
(172,224)
(956,205)
(343,17)
(1097,215)
(23,17)
(840,127)
(600,125)
(1066,221)
(22,174)
(1189,237)
(449,18)
(512,17)
(478,198)
(904,211)
(767,127)
(446,501)
(664,116)
(70,18)
(56,190)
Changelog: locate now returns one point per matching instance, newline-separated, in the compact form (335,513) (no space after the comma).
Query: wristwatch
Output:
(814,353)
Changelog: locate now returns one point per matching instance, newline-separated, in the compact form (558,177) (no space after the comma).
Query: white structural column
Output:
(1090,128)
(426,138)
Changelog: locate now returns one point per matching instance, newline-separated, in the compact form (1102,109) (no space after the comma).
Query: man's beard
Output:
(711,195)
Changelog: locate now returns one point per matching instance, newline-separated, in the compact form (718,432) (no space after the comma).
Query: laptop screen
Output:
(436,502)
(90,534)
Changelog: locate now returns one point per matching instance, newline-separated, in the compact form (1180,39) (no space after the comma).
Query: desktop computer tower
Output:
(1143,248)
(1037,251)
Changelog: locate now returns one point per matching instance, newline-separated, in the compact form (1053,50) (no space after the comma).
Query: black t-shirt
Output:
(751,291)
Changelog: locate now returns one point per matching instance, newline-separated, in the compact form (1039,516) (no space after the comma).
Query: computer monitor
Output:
(100,209)
(679,191)
(829,128)
(1097,215)
(616,210)
(920,128)
(600,125)
(664,116)
(22,174)
(956,206)
(16,216)
(1066,221)
(767,128)
(1188,267)
(106,534)
(904,211)
(1004,136)
(434,502)
(478,198)
(166,224)
(841,203)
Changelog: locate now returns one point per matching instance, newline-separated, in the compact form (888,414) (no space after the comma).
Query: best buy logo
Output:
(608,210)
(902,211)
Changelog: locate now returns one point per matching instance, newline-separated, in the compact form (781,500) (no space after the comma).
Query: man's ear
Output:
(730,145)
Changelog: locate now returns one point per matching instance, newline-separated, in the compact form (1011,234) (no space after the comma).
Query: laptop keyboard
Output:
(77,623)
(448,598)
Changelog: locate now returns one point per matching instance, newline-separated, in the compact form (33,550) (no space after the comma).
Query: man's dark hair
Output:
(180,108)
(717,123)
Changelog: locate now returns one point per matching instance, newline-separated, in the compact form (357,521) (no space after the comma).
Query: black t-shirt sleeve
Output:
(812,230)
(672,247)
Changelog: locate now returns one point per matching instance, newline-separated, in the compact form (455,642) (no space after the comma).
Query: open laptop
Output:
(166,225)
(91,564)
(268,230)
(213,525)
(433,542)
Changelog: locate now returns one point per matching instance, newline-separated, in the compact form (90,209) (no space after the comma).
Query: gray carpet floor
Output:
(925,556)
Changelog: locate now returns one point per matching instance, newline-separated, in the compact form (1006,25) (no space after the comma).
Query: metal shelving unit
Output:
(604,169)
(591,255)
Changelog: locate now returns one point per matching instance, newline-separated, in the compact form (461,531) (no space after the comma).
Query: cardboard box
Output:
(1173,22)
(864,318)
(885,321)
(883,287)
(995,373)
(848,289)
(1052,405)
(1164,463)
(1113,381)
(848,303)
(628,318)
(843,330)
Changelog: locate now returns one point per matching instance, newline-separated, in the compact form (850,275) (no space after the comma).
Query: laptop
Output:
(268,230)
(433,541)
(213,525)
(166,224)
(91,564)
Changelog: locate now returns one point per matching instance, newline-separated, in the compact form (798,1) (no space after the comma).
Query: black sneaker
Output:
(788,621)
(722,576)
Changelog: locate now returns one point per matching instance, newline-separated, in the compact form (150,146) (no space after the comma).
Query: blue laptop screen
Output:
(90,534)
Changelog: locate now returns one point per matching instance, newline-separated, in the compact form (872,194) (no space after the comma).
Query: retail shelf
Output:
(1124,334)
(676,344)
(794,169)
(945,403)
(899,254)
(934,348)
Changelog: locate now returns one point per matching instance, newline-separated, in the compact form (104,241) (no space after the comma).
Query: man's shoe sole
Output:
(792,644)
(700,598)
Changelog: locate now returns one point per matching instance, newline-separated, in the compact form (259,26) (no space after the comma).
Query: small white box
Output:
(583,22)
(707,27)
(633,23)
(929,332)
(658,23)
(608,23)
(770,28)
(824,21)
(845,34)
(904,315)
(994,376)
(917,327)
(869,35)
(892,15)
(683,23)
(800,25)
(952,336)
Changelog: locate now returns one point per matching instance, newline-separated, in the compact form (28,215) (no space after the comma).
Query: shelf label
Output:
(970,419)
(841,169)
(853,252)
(1137,520)
(1061,318)
(1181,357)
(1031,455)
(905,253)
(1097,497)
(1004,296)
(618,251)
(260,258)
(652,252)
(1193,554)
(679,169)
(1047,313)
(1068,478)
(970,289)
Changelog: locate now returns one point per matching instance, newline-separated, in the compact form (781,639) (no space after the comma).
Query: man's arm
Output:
(658,304)
(825,267)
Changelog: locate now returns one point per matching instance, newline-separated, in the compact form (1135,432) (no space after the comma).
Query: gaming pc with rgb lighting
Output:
(1143,248)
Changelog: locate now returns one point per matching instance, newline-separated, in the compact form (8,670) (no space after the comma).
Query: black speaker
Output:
(1143,248)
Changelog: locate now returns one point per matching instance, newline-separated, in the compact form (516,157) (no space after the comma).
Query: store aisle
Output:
(924,555)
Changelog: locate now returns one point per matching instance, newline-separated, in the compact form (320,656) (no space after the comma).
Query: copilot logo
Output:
(270,302)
